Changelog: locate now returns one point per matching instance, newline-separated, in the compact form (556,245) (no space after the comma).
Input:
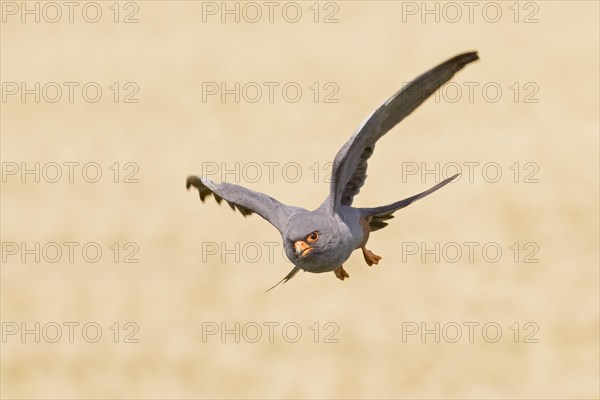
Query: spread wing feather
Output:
(350,164)
(244,200)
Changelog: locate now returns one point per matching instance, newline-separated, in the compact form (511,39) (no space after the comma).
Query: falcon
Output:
(323,239)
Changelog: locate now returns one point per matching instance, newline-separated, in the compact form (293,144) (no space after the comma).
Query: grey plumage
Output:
(380,214)
(244,200)
(321,240)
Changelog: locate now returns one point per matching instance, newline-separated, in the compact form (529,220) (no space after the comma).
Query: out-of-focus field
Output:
(179,289)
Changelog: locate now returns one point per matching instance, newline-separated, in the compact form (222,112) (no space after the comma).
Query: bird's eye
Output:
(313,237)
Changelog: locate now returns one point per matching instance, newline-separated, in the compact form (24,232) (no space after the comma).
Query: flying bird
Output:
(323,239)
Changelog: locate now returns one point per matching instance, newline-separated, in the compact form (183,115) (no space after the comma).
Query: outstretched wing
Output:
(244,200)
(350,164)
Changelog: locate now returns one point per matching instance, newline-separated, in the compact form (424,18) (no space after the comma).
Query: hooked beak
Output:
(302,248)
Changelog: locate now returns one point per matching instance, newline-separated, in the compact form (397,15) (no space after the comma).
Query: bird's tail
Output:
(378,215)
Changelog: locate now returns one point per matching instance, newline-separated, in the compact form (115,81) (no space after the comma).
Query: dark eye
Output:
(313,237)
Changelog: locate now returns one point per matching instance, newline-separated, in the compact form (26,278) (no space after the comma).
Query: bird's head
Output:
(309,239)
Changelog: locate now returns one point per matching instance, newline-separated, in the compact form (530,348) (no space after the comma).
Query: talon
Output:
(341,273)
(370,257)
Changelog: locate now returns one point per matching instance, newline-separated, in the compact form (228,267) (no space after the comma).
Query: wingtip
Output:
(196,182)
(453,177)
(190,181)
(466,58)
(447,180)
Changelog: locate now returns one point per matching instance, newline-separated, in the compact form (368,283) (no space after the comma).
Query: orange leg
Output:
(370,257)
(341,273)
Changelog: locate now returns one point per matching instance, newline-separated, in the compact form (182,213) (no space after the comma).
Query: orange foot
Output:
(341,273)
(370,257)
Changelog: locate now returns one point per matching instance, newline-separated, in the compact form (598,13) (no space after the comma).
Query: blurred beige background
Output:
(177,290)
